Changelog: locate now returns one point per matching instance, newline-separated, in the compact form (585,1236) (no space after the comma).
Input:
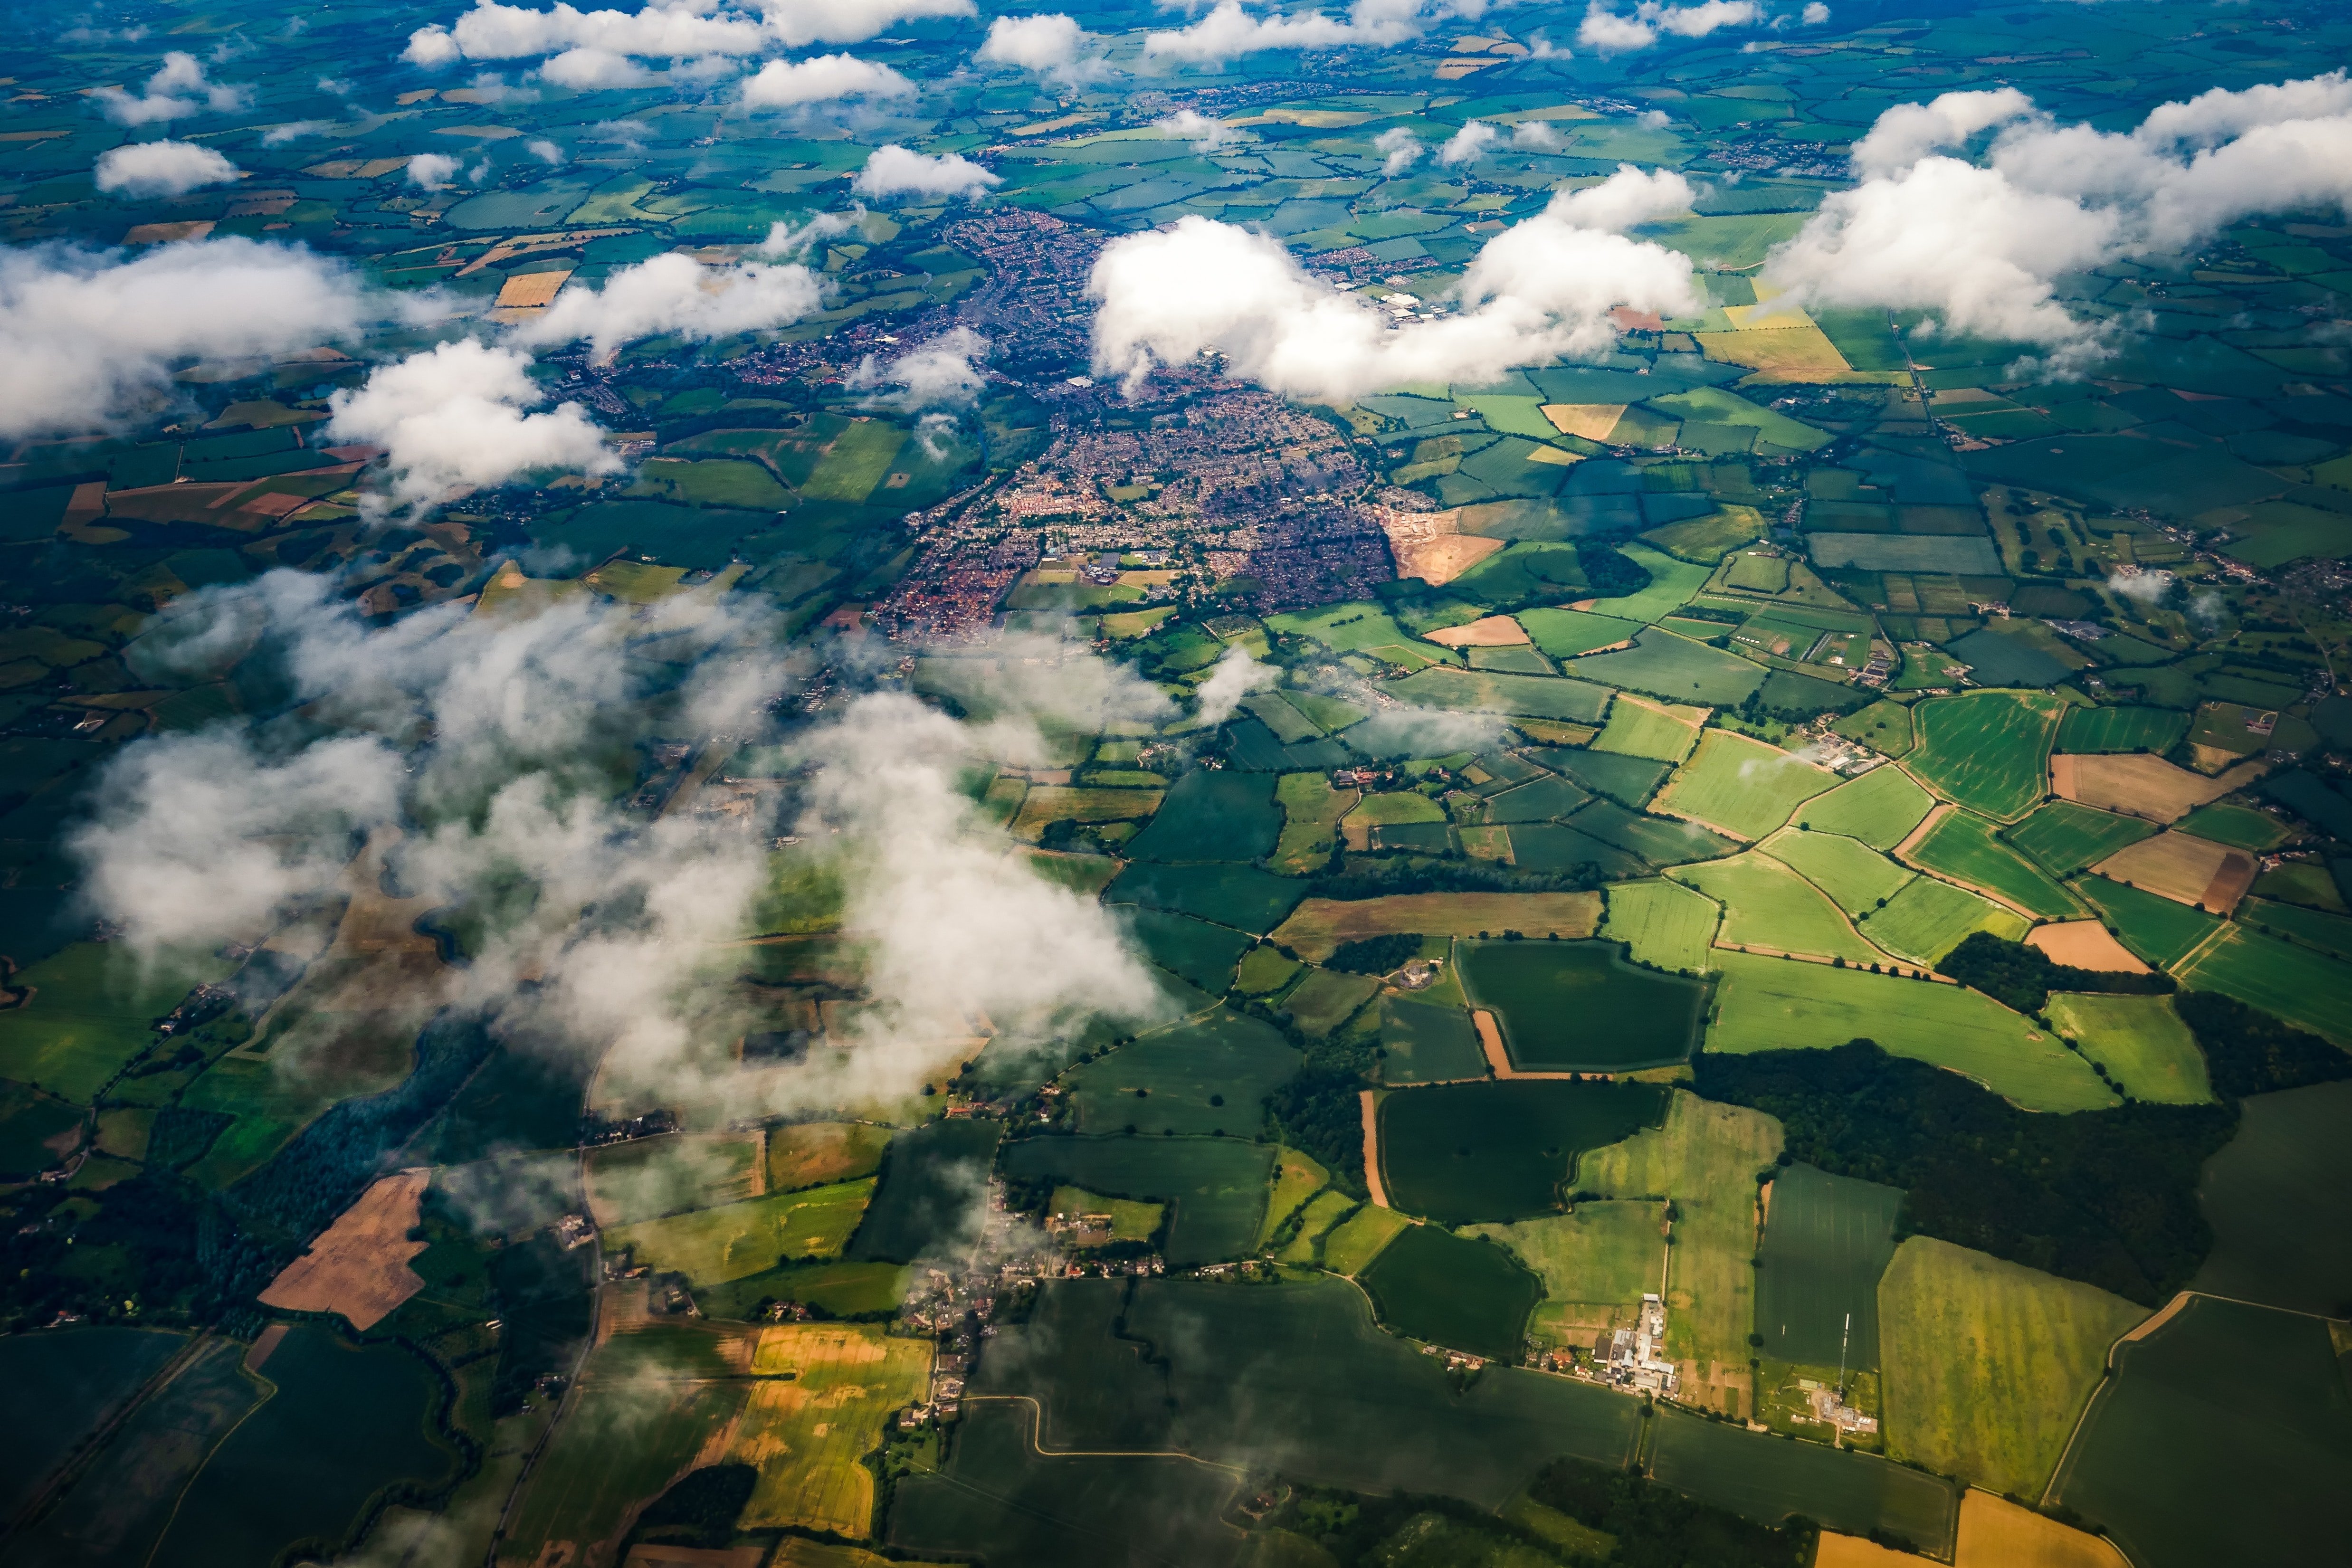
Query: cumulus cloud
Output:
(87,334)
(545,151)
(1047,44)
(1542,288)
(1814,14)
(1611,33)
(783,84)
(937,374)
(1534,136)
(1400,150)
(798,22)
(454,416)
(178,88)
(160,169)
(676,294)
(1469,144)
(1980,237)
(1237,674)
(893,171)
(1205,133)
(1229,32)
(682,31)
(596,70)
(431,171)
(293,130)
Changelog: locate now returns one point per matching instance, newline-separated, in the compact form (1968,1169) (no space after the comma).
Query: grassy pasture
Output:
(2237,826)
(1426,1043)
(1766,904)
(1827,1240)
(1928,918)
(1672,584)
(1317,1221)
(845,1290)
(1990,751)
(1596,1263)
(619,1445)
(1662,664)
(1963,847)
(1571,633)
(1702,1160)
(1662,923)
(1193,950)
(812,1154)
(1311,810)
(1769,1479)
(1884,727)
(710,1245)
(648,1177)
(1856,877)
(1777,1004)
(1460,1291)
(809,1431)
(1241,897)
(1880,809)
(1987,1364)
(2140,1041)
(1213,814)
(1297,1177)
(1349,1247)
(1086,875)
(2063,837)
(1638,729)
(1579,1006)
(2308,989)
(1317,927)
(2331,934)
(1741,785)
(2155,928)
(2089,729)
(1324,999)
(1357,627)
(1210,1075)
(2279,1195)
(89,1015)
(1463,1152)
(1487,691)
(1218,1186)
(2181,1440)
(1049,803)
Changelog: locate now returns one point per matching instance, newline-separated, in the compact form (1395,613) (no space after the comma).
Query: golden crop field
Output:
(808,1434)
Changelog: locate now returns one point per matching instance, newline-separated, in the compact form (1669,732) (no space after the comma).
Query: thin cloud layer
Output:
(1206,134)
(893,171)
(1981,240)
(178,88)
(1542,288)
(160,169)
(937,374)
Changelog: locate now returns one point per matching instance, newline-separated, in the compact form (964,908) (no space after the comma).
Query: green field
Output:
(1672,584)
(1311,810)
(1662,923)
(1778,1004)
(1929,918)
(1596,1262)
(60,1386)
(1316,1221)
(2186,1461)
(1463,1152)
(2154,927)
(1213,814)
(1426,1043)
(1741,785)
(1358,627)
(1637,729)
(1884,727)
(1193,950)
(1962,846)
(1325,999)
(1218,1186)
(1463,1292)
(1351,1247)
(647,1178)
(2153,729)
(2279,1195)
(2308,989)
(1987,1364)
(91,1012)
(1580,1006)
(2147,1051)
(1827,1240)
(620,1443)
(2065,837)
(925,1206)
(1769,1479)
(843,1290)
(1662,664)
(1988,750)
(1703,1161)
(854,462)
(1570,633)
(713,1245)
(2238,826)
(2331,934)
(1880,809)
(1484,691)
(1856,876)
(1241,897)
(1766,904)
(1206,1075)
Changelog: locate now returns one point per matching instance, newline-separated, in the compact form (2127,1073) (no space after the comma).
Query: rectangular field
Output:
(1662,664)
(2092,729)
(1766,904)
(1880,809)
(1662,923)
(1482,691)
(1318,926)
(1637,728)
(824,1392)
(1596,1263)
(1463,1154)
(1218,1186)
(1856,877)
(1827,1240)
(2063,837)
(1741,785)
(2141,785)
(1987,750)
(2308,989)
(2185,868)
(1579,1006)
(1962,846)
(1769,1479)
(1928,918)
(1779,1004)
(714,1245)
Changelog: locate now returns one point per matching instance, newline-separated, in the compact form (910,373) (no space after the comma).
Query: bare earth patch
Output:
(1493,632)
(2185,868)
(2083,945)
(2143,786)
(1431,545)
(360,1267)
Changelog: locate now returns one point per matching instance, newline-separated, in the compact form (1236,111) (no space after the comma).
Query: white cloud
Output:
(937,374)
(596,70)
(432,47)
(1542,288)
(895,171)
(1979,241)
(1229,32)
(1205,133)
(683,30)
(86,335)
(799,22)
(431,171)
(782,84)
(1469,144)
(160,169)
(1400,150)
(177,89)
(1237,674)
(545,151)
(1815,14)
(1042,44)
(1610,33)
(453,416)
(293,130)
(676,294)
(1534,136)
(1653,119)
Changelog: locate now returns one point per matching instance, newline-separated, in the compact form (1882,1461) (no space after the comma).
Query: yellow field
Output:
(1318,926)
(2142,786)
(808,1435)
(1987,1365)
(1852,1552)
(1997,1534)
(1592,421)
(812,1154)
(1792,353)
(714,1245)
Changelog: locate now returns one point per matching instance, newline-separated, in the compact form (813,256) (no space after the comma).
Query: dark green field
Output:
(1193,950)
(57,1386)
(1427,1042)
(1826,1242)
(2156,729)
(928,1197)
(1466,1153)
(1580,1006)
(1238,895)
(843,1290)
(1208,1076)
(1458,1291)
(1218,1186)
(2186,1431)
(1212,815)
(2153,926)
(2280,1200)
(2065,837)
(1768,1478)
(345,1421)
